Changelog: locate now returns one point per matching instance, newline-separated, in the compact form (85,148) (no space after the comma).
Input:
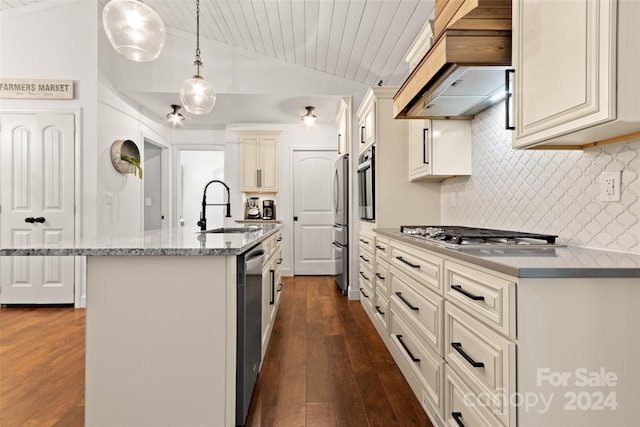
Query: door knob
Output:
(40,219)
(30,219)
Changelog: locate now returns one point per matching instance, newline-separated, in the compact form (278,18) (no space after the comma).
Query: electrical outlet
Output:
(610,186)
(424,399)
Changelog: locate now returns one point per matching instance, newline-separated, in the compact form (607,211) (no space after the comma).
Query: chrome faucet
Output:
(203,216)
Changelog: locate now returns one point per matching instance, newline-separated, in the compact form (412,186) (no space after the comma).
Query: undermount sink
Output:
(224,230)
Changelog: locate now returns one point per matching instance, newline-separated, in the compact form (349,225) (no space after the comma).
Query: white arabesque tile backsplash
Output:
(546,191)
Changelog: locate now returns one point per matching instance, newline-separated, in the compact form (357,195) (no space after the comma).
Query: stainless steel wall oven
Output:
(366,185)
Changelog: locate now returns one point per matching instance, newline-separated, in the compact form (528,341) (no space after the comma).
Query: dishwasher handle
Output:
(254,260)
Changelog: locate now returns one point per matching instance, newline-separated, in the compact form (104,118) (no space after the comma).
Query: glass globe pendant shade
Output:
(134,29)
(197,95)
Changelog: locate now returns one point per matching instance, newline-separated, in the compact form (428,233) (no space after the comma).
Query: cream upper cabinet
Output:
(259,161)
(439,149)
(343,120)
(576,72)
(366,124)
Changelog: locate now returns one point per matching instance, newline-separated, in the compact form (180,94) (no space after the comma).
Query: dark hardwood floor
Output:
(41,367)
(325,366)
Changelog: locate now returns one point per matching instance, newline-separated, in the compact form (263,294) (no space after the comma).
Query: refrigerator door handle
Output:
(336,190)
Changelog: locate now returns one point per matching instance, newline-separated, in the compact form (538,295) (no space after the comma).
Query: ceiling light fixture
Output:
(134,29)
(174,117)
(197,95)
(309,118)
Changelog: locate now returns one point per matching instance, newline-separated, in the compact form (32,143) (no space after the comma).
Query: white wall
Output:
(120,197)
(58,40)
(292,136)
(546,191)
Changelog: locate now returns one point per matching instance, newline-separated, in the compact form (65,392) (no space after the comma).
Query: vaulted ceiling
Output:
(359,40)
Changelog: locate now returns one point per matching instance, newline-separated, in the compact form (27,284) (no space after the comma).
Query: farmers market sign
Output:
(36,89)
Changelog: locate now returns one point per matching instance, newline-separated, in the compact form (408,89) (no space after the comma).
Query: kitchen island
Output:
(160,325)
(508,336)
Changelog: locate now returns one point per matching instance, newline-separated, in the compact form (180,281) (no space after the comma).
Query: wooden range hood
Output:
(471,38)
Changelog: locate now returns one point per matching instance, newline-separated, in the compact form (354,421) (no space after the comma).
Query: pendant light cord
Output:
(198,31)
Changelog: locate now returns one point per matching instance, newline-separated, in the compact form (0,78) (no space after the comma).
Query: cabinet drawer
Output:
(417,264)
(489,297)
(461,403)
(421,307)
(482,357)
(366,296)
(366,273)
(382,248)
(382,276)
(368,241)
(366,257)
(419,359)
(381,310)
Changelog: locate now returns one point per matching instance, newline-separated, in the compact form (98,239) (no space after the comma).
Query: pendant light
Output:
(196,94)
(134,29)
(309,118)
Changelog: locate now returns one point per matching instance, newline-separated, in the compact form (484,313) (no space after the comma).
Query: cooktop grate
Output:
(458,234)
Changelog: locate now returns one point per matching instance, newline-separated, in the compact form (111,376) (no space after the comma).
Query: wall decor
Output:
(125,157)
(36,89)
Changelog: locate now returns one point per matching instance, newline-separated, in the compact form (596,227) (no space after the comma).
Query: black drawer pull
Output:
(458,347)
(413,358)
(272,298)
(411,306)
(362,292)
(467,293)
(457,417)
(378,310)
(382,248)
(379,276)
(364,258)
(366,242)
(363,276)
(407,262)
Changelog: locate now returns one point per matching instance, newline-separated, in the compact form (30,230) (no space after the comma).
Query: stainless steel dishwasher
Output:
(249,324)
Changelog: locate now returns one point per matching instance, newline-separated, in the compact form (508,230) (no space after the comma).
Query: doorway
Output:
(313,212)
(37,195)
(154,203)
(196,167)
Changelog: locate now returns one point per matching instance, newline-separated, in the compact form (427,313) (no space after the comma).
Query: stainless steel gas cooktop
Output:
(457,237)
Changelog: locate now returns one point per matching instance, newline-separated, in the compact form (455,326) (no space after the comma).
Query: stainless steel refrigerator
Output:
(341,221)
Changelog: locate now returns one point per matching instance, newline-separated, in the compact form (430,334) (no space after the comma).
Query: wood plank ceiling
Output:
(359,40)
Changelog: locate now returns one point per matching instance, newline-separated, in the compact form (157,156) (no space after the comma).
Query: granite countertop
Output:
(171,242)
(552,262)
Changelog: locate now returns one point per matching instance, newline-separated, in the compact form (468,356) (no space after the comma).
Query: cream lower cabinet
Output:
(439,149)
(576,71)
(271,285)
(381,289)
(476,352)
(366,281)
(259,161)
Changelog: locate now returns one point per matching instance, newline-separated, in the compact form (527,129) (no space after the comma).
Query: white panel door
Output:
(313,206)
(37,199)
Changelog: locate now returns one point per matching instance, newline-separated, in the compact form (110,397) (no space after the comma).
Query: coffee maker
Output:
(268,209)
(253,212)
